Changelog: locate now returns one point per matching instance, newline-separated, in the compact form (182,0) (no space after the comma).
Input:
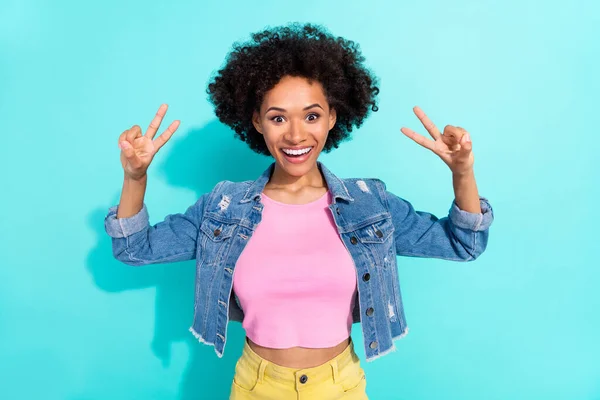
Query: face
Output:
(295,119)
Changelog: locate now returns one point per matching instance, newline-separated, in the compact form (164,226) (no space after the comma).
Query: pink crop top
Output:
(295,279)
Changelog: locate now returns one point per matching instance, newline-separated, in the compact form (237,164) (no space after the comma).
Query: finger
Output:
(122,137)
(166,135)
(463,148)
(129,153)
(455,148)
(420,139)
(465,142)
(427,123)
(133,133)
(449,141)
(156,121)
(454,132)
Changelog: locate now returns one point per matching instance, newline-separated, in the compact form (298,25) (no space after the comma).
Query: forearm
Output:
(465,192)
(132,197)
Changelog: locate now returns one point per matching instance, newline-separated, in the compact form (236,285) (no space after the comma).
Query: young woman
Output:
(298,255)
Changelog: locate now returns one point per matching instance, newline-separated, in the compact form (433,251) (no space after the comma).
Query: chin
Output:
(294,169)
(297,170)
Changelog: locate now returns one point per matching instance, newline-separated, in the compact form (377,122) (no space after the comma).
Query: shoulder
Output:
(364,185)
(367,193)
(223,194)
(229,189)
(358,188)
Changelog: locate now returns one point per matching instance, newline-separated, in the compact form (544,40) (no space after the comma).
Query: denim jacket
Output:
(374,225)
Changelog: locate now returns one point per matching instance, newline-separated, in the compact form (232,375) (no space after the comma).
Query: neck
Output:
(280,179)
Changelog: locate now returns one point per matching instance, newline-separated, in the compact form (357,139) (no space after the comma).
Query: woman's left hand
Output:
(453,146)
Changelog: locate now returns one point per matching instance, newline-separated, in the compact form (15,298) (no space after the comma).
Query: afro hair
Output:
(252,68)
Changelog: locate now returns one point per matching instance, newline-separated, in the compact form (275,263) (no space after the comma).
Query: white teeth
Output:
(296,152)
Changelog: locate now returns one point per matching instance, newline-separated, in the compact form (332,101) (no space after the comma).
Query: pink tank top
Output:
(295,279)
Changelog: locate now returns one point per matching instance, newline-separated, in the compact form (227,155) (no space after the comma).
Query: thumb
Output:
(465,142)
(126,148)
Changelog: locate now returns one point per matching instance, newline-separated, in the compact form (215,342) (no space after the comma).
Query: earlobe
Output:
(256,122)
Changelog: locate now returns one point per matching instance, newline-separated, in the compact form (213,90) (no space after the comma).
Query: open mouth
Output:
(296,156)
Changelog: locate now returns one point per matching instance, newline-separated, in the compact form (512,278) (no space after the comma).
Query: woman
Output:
(312,253)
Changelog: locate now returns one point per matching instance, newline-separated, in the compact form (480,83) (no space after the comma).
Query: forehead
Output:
(294,92)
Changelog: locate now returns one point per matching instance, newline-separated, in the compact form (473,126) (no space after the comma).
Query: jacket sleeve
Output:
(135,242)
(459,236)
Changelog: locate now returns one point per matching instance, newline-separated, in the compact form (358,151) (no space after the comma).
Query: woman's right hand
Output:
(137,150)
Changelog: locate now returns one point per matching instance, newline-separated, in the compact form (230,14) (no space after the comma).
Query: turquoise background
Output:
(521,322)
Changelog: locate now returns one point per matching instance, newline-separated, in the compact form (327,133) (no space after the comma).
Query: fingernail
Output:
(468,138)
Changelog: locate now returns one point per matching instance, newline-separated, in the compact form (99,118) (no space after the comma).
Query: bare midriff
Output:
(299,357)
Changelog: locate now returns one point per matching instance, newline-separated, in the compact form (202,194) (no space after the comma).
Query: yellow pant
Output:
(342,377)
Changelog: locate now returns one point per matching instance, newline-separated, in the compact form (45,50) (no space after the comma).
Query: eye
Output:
(277,118)
(312,117)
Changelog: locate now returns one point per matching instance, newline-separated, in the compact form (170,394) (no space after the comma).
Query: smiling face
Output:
(295,119)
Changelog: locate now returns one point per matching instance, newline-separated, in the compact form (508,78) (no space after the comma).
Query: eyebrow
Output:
(304,109)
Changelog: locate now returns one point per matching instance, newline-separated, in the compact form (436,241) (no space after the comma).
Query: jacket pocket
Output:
(377,232)
(216,238)
(377,240)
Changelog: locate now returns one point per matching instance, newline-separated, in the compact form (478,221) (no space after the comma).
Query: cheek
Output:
(270,137)
(322,130)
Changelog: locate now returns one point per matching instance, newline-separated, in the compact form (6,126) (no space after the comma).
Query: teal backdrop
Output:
(521,322)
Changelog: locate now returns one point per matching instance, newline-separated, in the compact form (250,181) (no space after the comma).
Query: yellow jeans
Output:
(342,377)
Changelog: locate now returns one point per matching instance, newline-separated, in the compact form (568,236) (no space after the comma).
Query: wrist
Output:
(136,181)
(468,173)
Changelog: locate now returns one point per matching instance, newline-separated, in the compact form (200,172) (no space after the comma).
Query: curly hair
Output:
(253,68)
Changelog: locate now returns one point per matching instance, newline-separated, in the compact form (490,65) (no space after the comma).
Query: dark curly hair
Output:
(253,68)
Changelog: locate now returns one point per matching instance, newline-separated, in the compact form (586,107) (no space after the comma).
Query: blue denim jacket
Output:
(374,225)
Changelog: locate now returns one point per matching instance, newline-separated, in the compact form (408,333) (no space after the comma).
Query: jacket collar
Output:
(335,185)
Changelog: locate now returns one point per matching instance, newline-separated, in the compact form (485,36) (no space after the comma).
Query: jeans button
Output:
(303,379)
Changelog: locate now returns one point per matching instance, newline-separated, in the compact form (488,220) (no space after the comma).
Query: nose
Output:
(296,133)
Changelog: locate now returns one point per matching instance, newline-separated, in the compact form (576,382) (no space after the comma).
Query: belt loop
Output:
(334,370)
(261,370)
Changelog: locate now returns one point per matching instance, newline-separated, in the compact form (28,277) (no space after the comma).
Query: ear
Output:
(256,121)
(332,118)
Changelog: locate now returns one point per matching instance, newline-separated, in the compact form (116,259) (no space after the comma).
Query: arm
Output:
(463,234)
(136,242)
(465,191)
(132,196)
(460,236)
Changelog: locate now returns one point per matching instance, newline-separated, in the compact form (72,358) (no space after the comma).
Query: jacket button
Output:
(303,379)
(337,210)
(353,240)
(373,345)
(370,311)
(366,277)
(378,233)
(217,232)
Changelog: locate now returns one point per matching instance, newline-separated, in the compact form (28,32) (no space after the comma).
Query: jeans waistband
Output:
(303,377)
